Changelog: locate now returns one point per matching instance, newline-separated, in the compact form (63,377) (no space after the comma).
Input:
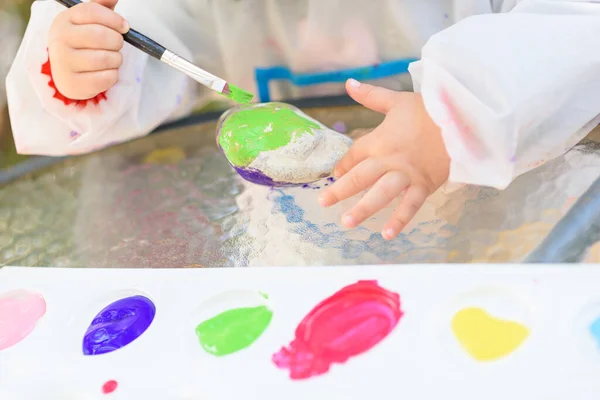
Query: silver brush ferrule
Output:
(198,74)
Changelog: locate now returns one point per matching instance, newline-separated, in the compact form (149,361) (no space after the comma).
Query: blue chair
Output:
(383,70)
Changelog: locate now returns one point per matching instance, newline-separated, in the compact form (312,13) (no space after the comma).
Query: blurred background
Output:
(14,15)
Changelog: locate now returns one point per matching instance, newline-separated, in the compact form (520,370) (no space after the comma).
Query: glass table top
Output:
(171,200)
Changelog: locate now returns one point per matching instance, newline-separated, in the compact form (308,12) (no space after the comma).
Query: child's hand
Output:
(84,48)
(403,154)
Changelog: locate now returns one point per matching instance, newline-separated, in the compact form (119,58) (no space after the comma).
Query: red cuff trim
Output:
(47,70)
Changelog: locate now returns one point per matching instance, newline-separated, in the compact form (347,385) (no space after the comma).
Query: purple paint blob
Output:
(118,324)
(339,126)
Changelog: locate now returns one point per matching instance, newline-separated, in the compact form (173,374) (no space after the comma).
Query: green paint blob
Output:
(247,132)
(233,330)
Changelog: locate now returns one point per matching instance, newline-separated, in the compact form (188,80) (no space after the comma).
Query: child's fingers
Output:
(94,82)
(385,190)
(95,37)
(411,203)
(358,179)
(357,153)
(106,3)
(95,60)
(92,13)
(374,97)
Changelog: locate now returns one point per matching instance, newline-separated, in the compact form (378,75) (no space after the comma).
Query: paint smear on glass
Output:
(20,310)
(233,330)
(347,324)
(595,331)
(485,337)
(167,156)
(118,324)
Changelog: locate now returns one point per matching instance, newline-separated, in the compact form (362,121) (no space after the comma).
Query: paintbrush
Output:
(159,52)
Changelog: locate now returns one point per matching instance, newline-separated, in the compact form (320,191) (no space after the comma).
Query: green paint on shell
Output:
(233,330)
(247,133)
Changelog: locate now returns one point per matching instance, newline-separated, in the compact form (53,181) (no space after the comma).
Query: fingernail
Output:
(348,221)
(126,26)
(323,201)
(388,233)
(353,83)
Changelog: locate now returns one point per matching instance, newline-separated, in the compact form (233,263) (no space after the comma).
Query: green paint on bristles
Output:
(236,94)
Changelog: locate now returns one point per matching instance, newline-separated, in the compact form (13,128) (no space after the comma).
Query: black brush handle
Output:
(133,37)
(144,43)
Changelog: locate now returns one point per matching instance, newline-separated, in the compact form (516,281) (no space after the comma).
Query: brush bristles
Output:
(236,94)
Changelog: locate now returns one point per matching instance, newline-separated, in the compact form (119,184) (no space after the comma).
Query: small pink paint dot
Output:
(109,387)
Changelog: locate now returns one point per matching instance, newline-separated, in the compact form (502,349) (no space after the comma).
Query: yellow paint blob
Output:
(487,338)
(168,155)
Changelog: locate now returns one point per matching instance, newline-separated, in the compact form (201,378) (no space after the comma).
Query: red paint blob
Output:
(109,387)
(350,322)
(47,70)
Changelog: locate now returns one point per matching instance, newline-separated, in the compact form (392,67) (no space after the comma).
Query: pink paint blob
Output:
(349,323)
(109,387)
(20,311)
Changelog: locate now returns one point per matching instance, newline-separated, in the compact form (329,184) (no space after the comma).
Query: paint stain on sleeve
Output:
(466,134)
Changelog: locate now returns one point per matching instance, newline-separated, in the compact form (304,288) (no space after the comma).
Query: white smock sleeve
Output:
(513,90)
(147,94)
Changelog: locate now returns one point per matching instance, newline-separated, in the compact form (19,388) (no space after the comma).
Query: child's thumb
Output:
(374,97)
(106,3)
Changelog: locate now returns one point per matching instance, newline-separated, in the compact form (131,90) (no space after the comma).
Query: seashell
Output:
(276,144)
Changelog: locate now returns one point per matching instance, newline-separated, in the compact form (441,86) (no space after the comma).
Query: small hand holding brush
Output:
(159,52)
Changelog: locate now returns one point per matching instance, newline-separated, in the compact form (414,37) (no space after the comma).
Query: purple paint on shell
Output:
(178,100)
(74,134)
(250,174)
(256,176)
(331,179)
(138,79)
(118,324)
